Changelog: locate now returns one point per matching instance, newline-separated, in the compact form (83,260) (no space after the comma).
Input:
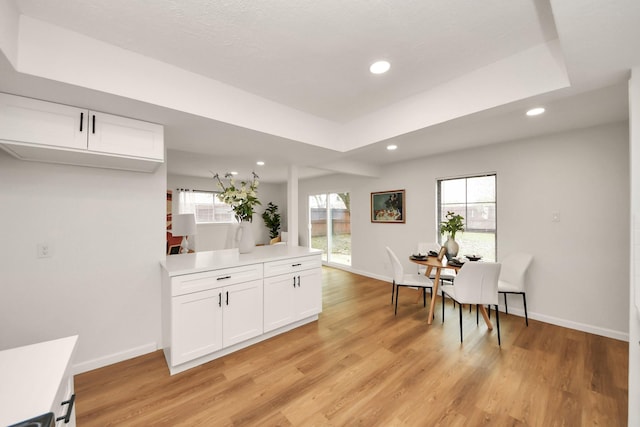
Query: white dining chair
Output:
(512,278)
(400,279)
(476,283)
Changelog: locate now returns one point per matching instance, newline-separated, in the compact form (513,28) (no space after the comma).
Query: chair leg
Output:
(526,316)
(506,310)
(397,292)
(460,311)
(442,307)
(477,314)
(498,323)
(393,290)
(424,297)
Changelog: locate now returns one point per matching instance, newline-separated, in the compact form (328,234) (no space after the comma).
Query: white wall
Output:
(583,174)
(213,236)
(106,232)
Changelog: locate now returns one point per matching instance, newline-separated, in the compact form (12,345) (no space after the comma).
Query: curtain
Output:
(186,201)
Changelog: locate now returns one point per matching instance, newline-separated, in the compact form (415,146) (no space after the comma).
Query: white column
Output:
(292,206)
(634,286)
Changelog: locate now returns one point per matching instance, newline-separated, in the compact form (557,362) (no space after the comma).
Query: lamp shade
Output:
(183,225)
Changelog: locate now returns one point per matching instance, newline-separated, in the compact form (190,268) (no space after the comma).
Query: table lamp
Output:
(184,225)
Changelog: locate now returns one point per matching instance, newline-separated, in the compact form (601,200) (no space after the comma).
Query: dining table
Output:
(440,263)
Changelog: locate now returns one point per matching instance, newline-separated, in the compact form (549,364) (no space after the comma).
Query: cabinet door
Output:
(242,312)
(278,301)
(196,325)
(127,137)
(308,294)
(31,121)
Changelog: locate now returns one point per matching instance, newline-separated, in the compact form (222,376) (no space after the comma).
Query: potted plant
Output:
(451,226)
(271,219)
(243,199)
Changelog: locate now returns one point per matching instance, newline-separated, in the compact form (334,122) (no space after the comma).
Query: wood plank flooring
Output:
(360,365)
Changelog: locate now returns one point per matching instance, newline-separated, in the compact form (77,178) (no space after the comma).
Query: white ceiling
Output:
(313,57)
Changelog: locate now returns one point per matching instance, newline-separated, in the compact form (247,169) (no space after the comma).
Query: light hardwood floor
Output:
(360,365)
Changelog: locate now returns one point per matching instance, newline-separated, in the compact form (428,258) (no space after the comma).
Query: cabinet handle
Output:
(296,265)
(298,281)
(93,118)
(66,417)
(224,278)
(81,121)
(294,281)
(219,299)
(227,297)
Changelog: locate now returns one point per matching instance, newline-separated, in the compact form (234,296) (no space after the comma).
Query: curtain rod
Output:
(202,191)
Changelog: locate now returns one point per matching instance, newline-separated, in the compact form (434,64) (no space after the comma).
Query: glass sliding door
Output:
(330,228)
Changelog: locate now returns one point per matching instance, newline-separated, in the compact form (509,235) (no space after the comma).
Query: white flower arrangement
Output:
(242,198)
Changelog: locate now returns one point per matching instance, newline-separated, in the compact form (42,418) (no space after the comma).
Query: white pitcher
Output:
(244,237)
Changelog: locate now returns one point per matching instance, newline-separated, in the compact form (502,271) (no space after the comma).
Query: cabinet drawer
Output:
(196,282)
(291,265)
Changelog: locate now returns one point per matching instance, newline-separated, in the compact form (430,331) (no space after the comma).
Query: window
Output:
(205,205)
(474,198)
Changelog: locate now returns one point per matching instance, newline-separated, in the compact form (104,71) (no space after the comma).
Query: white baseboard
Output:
(565,323)
(110,359)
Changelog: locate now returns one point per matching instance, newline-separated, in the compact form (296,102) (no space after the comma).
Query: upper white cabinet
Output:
(37,130)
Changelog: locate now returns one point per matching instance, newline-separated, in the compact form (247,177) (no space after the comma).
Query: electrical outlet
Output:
(44,250)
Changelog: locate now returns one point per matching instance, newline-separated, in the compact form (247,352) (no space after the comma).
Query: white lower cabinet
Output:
(206,321)
(196,325)
(208,312)
(292,296)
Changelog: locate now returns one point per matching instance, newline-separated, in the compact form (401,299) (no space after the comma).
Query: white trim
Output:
(110,359)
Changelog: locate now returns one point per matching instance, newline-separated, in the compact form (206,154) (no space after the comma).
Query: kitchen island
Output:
(217,302)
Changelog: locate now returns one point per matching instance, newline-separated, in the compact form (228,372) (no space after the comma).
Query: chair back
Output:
(396,266)
(514,269)
(423,249)
(477,283)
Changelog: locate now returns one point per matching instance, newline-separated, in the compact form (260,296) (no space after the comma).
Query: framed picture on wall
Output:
(388,207)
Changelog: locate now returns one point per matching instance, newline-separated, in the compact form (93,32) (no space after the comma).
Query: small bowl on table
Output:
(473,257)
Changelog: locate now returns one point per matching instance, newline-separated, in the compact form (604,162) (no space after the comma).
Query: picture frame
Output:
(388,207)
(174,250)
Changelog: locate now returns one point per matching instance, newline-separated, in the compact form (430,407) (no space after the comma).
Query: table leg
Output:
(436,283)
(424,291)
(483,311)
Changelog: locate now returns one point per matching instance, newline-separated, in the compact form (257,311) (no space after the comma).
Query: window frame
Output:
(439,213)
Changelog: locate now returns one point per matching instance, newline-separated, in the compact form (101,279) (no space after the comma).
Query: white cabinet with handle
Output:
(294,295)
(212,306)
(32,129)
(214,309)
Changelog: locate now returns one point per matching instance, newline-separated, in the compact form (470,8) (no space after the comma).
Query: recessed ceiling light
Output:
(234,173)
(535,111)
(260,163)
(391,147)
(380,67)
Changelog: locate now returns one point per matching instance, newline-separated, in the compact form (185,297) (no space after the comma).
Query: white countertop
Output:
(176,265)
(30,377)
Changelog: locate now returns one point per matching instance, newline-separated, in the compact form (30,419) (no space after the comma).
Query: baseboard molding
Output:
(110,359)
(565,323)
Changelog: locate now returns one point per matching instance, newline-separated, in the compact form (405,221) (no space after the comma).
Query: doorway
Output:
(330,227)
